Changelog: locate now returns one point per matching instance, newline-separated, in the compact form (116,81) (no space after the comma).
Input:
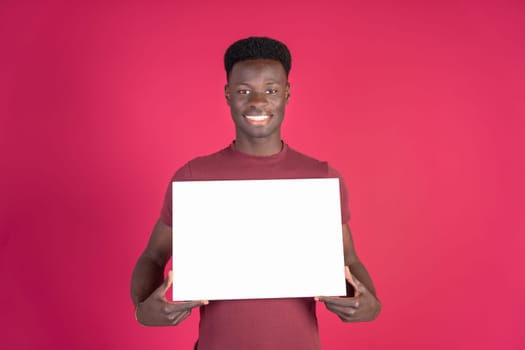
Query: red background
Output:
(419,104)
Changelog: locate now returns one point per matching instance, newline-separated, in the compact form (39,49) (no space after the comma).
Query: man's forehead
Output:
(258,68)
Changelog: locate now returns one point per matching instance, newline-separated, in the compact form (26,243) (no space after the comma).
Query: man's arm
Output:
(148,288)
(361,303)
(355,265)
(149,270)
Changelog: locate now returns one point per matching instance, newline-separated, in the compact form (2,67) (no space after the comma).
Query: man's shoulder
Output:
(298,157)
(309,161)
(201,164)
(302,156)
(211,157)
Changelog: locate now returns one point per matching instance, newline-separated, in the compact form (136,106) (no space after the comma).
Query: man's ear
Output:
(287,92)
(227,93)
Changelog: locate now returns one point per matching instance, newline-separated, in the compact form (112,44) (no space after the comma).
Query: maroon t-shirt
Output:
(258,324)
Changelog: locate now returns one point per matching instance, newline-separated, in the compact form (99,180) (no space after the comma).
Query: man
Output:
(257,92)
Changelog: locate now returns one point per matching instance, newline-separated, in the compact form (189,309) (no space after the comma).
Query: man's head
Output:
(254,48)
(257,90)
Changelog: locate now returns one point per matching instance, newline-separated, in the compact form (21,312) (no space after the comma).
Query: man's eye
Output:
(271,91)
(244,91)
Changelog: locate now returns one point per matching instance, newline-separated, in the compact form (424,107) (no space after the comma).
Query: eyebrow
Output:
(270,82)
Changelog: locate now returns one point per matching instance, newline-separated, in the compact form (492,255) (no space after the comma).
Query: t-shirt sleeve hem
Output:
(165,213)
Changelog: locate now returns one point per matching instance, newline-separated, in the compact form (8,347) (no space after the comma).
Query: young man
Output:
(257,92)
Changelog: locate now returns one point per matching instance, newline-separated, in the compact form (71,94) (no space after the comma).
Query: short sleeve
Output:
(182,174)
(343,194)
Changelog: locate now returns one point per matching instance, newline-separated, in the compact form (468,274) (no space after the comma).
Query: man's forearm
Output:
(146,277)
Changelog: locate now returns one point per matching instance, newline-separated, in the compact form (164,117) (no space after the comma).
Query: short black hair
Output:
(253,48)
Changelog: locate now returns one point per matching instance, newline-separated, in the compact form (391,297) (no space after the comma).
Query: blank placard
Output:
(249,239)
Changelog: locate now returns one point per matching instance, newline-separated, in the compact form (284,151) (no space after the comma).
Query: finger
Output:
(163,288)
(348,275)
(179,306)
(174,315)
(343,302)
(176,318)
(360,286)
(352,280)
(346,314)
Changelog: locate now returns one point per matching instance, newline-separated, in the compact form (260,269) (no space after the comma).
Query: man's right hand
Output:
(156,310)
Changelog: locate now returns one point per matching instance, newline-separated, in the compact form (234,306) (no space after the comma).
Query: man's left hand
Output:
(363,306)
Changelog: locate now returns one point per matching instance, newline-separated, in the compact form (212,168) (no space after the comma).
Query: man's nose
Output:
(257,97)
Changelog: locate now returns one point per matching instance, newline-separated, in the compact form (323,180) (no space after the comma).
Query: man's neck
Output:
(259,147)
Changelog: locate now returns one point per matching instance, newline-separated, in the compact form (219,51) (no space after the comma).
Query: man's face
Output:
(257,93)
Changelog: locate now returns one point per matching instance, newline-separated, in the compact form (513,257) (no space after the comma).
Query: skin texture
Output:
(361,303)
(254,88)
(257,87)
(148,290)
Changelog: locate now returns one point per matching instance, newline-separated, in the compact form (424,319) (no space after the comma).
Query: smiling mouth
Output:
(257,117)
(260,119)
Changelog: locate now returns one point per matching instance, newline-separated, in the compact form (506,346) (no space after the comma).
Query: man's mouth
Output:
(259,119)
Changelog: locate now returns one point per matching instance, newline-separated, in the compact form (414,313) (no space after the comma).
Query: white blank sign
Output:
(249,239)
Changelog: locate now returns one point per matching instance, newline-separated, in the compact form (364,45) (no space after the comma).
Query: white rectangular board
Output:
(249,239)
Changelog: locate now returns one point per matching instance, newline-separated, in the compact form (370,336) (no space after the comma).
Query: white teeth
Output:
(257,117)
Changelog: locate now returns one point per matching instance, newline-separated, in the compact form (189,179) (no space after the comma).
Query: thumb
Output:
(353,281)
(360,287)
(163,288)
